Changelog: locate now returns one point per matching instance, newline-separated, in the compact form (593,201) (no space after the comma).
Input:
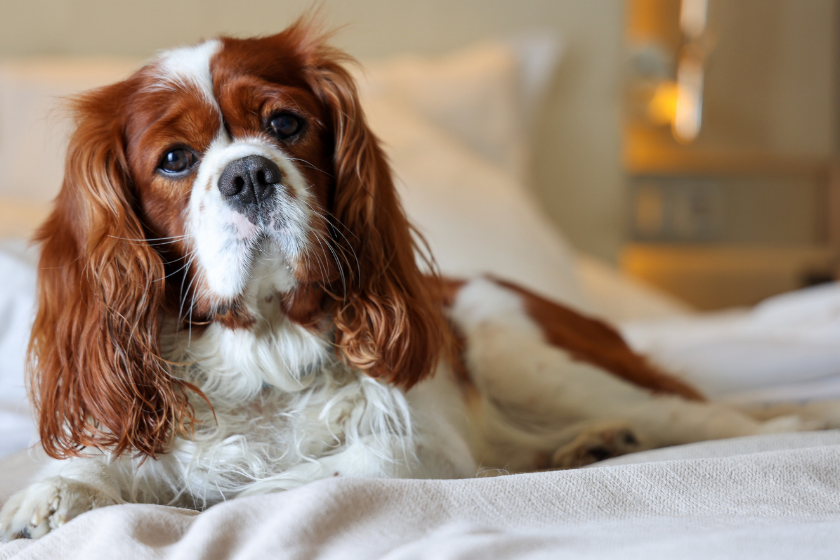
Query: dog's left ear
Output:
(388,321)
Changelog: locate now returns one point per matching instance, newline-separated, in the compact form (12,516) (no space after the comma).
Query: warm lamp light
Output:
(680,103)
(669,94)
(663,104)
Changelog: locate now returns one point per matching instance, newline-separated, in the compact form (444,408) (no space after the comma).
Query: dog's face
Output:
(226,183)
(229,150)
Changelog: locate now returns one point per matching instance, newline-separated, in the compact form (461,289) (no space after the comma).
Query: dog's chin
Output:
(271,254)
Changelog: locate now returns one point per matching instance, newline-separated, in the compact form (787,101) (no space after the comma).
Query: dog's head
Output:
(217,176)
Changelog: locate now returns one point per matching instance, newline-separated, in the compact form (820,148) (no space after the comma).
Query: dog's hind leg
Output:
(534,397)
(821,414)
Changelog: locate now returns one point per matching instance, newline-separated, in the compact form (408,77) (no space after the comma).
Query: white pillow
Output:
(19,217)
(476,218)
(618,297)
(486,96)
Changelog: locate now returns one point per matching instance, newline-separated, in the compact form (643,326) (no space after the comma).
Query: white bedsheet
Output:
(761,498)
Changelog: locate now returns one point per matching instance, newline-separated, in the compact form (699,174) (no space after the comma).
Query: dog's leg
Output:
(666,420)
(372,457)
(532,396)
(68,488)
(822,414)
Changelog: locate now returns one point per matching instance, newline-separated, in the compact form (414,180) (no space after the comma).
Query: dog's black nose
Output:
(249,181)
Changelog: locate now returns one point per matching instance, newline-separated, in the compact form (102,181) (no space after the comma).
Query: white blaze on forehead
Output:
(190,66)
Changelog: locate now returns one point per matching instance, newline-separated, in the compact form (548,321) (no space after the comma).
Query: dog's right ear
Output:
(95,371)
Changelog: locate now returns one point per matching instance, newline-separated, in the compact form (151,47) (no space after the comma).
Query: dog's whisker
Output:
(343,249)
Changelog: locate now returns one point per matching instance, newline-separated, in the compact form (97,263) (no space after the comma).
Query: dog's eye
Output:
(285,125)
(177,161)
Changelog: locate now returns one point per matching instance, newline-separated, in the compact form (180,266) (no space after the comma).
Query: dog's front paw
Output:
(596,444)
(46,506)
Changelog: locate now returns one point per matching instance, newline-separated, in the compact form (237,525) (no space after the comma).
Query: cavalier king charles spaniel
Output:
(231,302)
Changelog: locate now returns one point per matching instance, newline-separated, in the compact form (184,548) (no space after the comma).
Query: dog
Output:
(231,303)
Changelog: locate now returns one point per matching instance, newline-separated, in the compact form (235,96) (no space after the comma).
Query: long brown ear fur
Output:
(95,371)
(388,321)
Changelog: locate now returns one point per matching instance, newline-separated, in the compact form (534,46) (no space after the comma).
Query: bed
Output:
(760,497)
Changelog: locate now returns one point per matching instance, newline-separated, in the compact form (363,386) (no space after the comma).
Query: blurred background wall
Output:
(730,146)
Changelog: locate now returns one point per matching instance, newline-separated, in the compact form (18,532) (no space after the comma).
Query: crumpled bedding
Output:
(787,348)
(761,497)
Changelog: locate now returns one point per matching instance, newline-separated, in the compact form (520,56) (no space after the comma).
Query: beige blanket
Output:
(762,497)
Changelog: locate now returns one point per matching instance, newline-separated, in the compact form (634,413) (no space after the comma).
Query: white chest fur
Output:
(285,412)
